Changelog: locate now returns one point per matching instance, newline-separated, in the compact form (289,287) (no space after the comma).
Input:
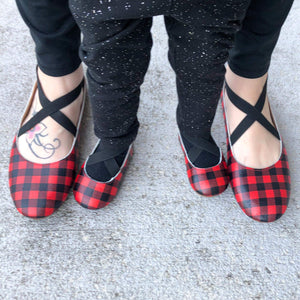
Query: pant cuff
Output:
(57,70)
(258,72)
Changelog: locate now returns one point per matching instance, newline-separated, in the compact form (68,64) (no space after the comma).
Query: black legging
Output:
(55,33)
(116,48)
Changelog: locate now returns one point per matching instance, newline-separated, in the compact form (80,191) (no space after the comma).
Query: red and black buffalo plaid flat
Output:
(262,194)
(93,194)
(39,189)
(207,182)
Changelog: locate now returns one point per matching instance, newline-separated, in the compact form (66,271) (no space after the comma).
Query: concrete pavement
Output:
(158,239)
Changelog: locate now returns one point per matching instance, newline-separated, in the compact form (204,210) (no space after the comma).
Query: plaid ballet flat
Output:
(39,189)
(93,194)
(210,181)
(263,194)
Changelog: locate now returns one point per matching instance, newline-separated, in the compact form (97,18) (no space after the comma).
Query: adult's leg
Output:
(43,158)
(248,64)
(57,39)
(200,36)
(55,33)
(255,41)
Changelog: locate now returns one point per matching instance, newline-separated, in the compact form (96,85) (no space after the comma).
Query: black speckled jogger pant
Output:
(116,48)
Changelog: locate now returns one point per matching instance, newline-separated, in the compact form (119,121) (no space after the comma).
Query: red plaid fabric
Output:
(262,194)
(39,189)
(207,181)
(93,194)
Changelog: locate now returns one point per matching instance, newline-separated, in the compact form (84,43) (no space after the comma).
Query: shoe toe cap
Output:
(37,209)
(264,209)
(88,200)
(207,189)
(263,194)
(210,181)
(38,203)
(92,194)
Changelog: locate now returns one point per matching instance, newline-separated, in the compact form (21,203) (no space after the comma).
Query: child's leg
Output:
(200,36)
(117,53)
(249,61)
(117,58)
(116,48)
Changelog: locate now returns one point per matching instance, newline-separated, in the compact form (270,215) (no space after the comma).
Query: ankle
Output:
(104,170)
(247,88)
(62,84)
(202,158)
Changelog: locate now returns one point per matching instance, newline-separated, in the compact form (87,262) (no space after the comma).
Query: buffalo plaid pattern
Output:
(207,181)
(262,194)
(39,189)
(93,194)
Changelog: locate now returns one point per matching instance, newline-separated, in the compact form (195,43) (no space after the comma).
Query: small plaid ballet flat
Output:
(39,189)
(93,194)
(209,181)
(262,194)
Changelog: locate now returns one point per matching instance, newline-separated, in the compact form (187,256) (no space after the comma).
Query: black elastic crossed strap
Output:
(52,109)
(107,156)
(253,114)
(200,144)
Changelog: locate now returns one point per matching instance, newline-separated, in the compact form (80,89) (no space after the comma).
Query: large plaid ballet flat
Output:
(93,194)
(262,194)
(39,189)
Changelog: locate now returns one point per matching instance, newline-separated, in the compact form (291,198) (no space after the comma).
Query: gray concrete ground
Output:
(159,239)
